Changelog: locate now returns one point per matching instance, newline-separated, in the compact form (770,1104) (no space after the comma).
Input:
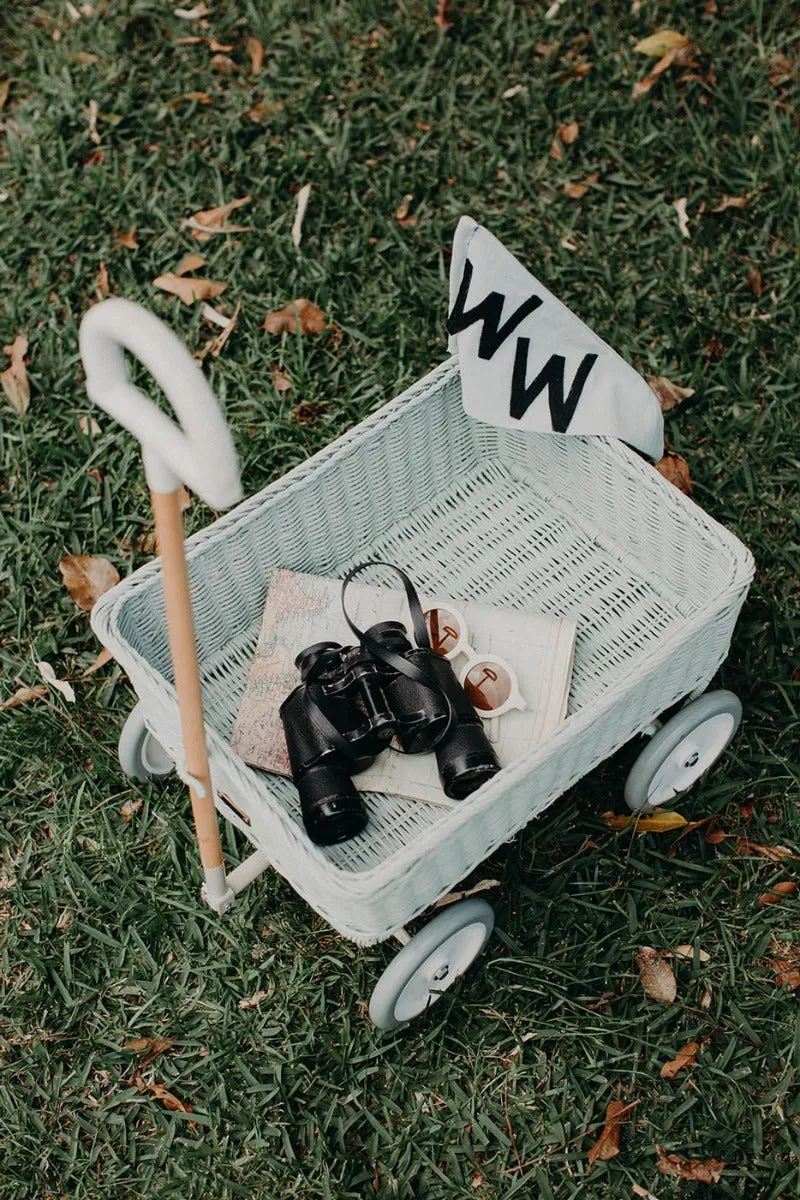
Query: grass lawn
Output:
(503,1088)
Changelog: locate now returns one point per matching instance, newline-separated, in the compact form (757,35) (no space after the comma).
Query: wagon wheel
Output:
(431,962)
(141,755)
(682,750)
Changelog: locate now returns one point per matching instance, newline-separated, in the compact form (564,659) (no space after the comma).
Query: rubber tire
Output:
(408,961)
(141,756)
(643,772)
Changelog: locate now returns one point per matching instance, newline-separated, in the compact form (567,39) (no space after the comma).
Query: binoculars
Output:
(353,701)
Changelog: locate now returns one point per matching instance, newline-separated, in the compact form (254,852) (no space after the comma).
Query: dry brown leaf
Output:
(254,1000)
(15,377)
(130,807)
(442,17)
(569,132)
(189,290)
(192,97)
(516,90)
(659,44)
(575,190)
(129,239)
(302,205)
(556,150)
(170,1101)
(223,63)
(607,1145)
(189,262)
(192,40)
(485,885)
(219,47)
(23,695)
(657,822)
(714,835)
(281,380)
(683,219)
(5,87)
(95,159)
(298,314)
(151,1048)
(785,962)
(101,287)
(638,1190)
(694,1169)
(681,57)
(755,283)
(208,221)
(215,347)
(401,213)
(670,394)
(87,577)
(731,202)
(775,853)
(656,975)
(777,892)
(687,952)
(676,470)
(256,52)
(105,656)
(705,999)
(686,1057)
(61,685)
(193,14)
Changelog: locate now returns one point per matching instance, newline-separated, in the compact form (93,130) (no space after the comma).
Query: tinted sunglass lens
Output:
(488,685)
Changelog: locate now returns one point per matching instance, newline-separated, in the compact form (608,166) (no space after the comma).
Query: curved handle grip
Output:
(198,451)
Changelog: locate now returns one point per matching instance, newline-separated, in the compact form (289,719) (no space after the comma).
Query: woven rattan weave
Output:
(577,526)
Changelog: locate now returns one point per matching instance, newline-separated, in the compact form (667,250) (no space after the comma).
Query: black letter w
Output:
(490,310)
(551,377)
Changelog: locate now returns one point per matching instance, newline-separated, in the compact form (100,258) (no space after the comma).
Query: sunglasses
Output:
(489,681)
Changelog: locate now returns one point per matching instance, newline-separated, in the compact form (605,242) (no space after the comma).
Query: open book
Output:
(302,609)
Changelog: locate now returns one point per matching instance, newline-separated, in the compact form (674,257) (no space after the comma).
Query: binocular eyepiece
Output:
(353,701)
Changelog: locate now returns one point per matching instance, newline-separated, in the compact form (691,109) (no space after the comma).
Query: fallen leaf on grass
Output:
(516,90)
(670,394)
(5,87)
(150,1048)
(280,379)
(775,853)
(219,47)
(607,1145)
(158,1092)
(254,1000)
(785,963)
(694,1169)
(731,202)
(656,975)
(453,897)
(686,1057)
(683,219)
(15,378)
(676,470)
(222,63)
(49,676)
(565,135)
(209,221)
(657,822)
(92,113)
(105,656)
(297,314)
(777,893)
(256,53)
(401,213)
(754,282)
(192,14)
(214,348)
(189,290)
(442,16)
(715,835)
(87,577)
(687,952)
(189,262)
(575,190)
(307,412)
(638,1190)
(130,807)
(191,97)
(659,44)
(128,240)
(302,205)
(101,287)
(95,159)
(23,695)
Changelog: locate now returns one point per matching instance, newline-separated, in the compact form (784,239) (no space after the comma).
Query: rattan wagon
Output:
(572,525)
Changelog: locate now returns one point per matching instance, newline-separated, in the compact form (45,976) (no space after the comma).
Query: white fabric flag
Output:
(528,363)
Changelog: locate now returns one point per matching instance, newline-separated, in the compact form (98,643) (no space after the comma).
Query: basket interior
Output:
(469,512)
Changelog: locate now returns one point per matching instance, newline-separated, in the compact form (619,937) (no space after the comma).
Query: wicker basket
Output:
(576,526)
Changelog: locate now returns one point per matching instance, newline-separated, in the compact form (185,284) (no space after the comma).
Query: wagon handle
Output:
(199,452)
